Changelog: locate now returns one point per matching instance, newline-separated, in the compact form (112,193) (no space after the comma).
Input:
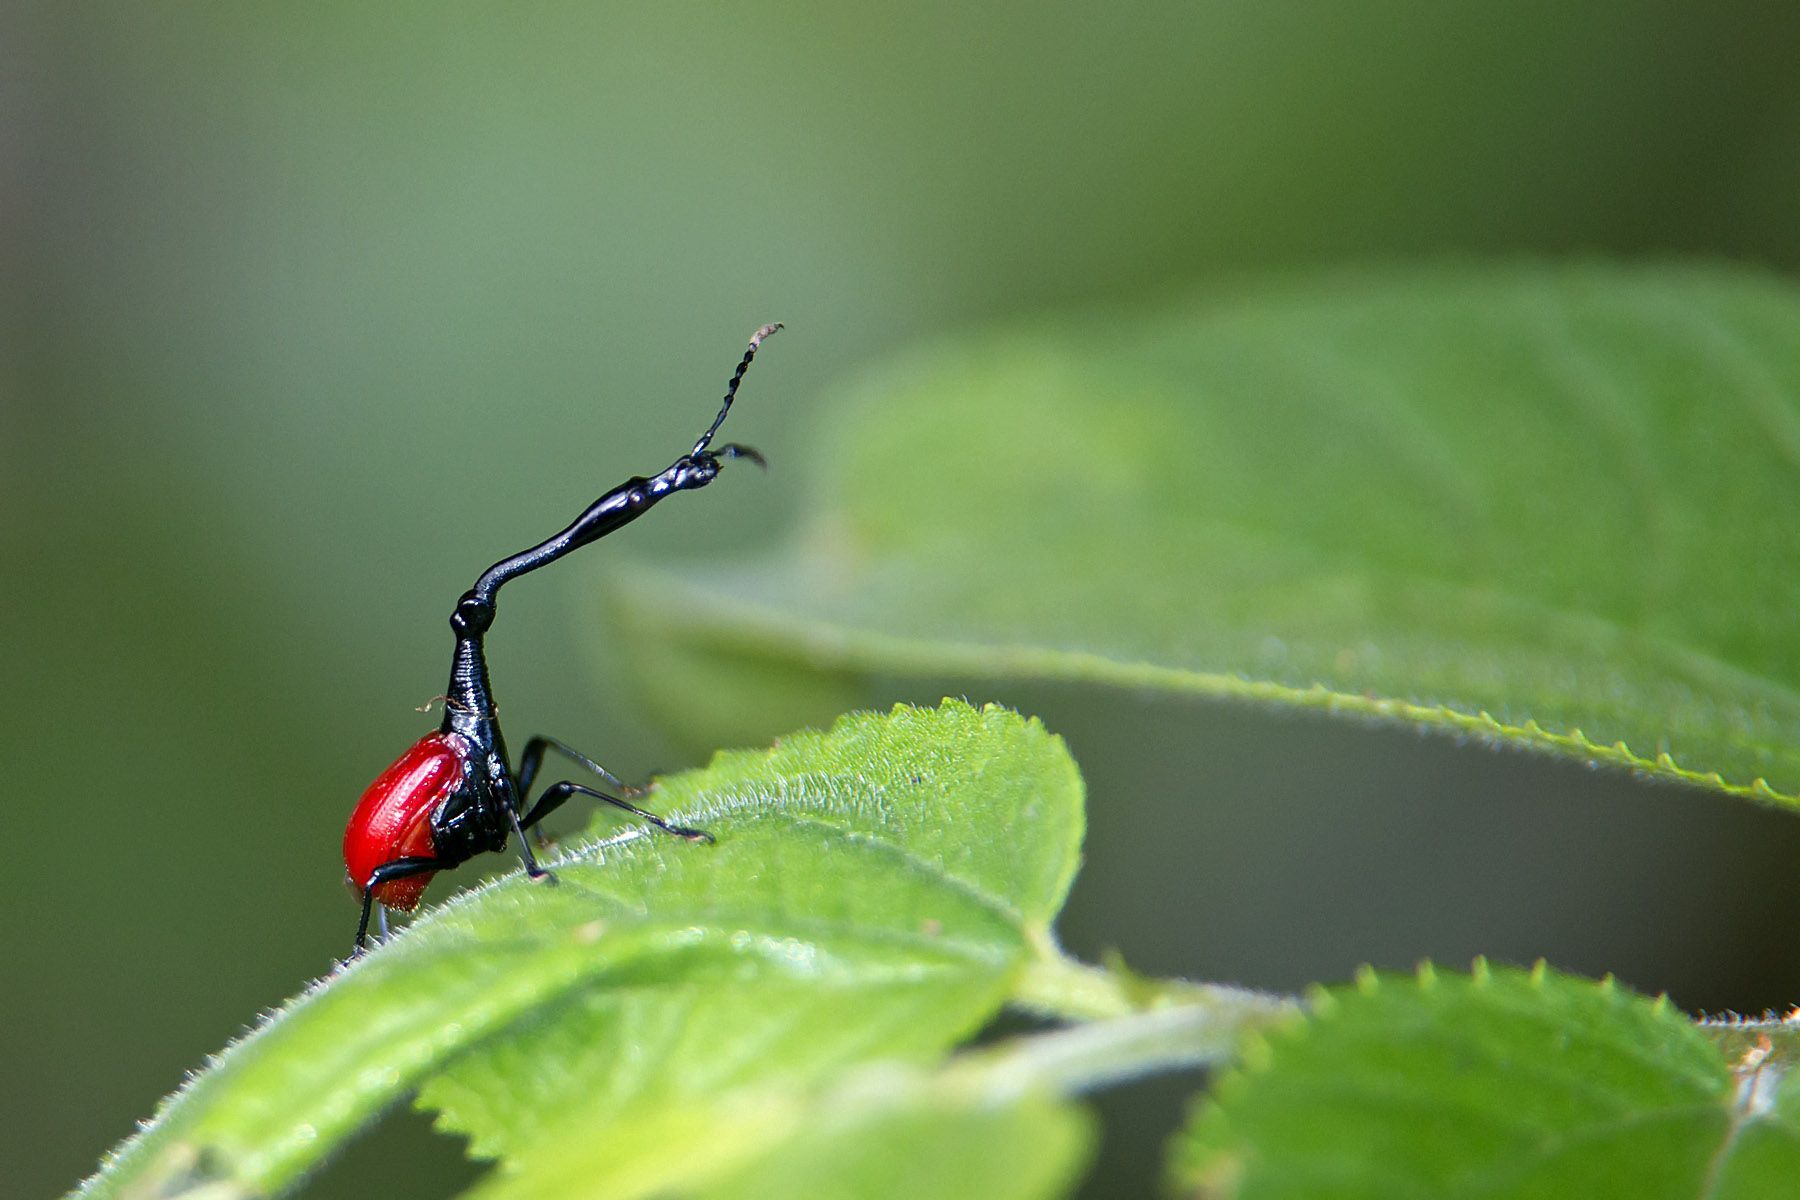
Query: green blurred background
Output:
(279,274)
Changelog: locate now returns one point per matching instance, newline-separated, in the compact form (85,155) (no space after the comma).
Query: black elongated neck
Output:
(470,702)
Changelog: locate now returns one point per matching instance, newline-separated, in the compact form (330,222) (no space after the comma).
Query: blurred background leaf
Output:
(1550,508)
(281,276)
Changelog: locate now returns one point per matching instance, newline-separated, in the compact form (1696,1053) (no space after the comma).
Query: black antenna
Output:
(737,377)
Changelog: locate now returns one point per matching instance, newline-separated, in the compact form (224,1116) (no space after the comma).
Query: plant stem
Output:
(1107,1052)
(1063,988)
(1133,1025)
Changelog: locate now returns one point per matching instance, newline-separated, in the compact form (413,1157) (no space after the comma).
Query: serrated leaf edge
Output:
(826,644)
(1260,1047)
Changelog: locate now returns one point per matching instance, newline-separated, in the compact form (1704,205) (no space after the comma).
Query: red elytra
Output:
(393,818)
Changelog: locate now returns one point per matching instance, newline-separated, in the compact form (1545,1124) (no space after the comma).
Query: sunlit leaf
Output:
(875,892)
(882,1135)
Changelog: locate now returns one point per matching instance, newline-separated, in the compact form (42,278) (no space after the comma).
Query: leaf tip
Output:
(1367,981)
(1426,973)
(1480,972)
(1540,973)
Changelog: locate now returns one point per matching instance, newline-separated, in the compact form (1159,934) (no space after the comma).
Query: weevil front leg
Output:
(387,872)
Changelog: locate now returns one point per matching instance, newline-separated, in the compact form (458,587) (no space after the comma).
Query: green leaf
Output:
(875,892)
(1499,1084)
(882,1133)
(1548,506)
(986,1124)
(927,1147)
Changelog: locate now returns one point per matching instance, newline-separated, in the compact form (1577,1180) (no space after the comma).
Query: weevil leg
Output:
(387,872)
(531,863)
(533,758)
(556,793)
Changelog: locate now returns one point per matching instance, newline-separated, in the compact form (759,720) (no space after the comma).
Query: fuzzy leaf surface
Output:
(874,893)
